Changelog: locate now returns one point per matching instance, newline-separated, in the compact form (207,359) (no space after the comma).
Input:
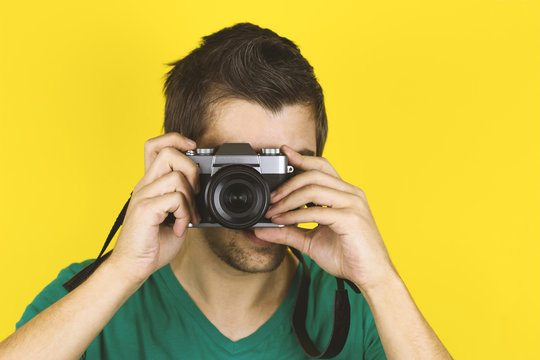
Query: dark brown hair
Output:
(243,61)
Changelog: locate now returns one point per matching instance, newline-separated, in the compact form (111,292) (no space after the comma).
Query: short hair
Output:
(246,62)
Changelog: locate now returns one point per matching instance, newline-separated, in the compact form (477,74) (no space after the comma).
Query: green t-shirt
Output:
(160,321)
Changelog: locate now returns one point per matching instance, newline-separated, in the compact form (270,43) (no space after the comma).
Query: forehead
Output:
(236,120)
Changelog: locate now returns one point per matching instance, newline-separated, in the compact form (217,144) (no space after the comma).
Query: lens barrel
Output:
(238,196)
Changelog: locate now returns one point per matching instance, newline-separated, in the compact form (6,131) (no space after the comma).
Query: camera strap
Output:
(341,312)
(85,273)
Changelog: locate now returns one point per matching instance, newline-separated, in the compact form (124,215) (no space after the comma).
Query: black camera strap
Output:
(85,273)
(342,315)
(341,312)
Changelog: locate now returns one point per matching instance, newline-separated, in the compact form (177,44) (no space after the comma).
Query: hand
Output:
(145,244)
(346,243)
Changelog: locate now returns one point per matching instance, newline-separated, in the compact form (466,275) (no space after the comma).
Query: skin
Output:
(233,294)
(236,283)
(240,294)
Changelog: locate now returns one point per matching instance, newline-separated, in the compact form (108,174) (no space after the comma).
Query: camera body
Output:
(235,185)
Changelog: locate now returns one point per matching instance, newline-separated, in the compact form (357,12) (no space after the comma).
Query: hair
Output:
(246,62)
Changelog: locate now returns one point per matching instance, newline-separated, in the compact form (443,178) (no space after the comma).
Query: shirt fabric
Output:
(160,321)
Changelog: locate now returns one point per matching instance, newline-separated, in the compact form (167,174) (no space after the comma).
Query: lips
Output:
(250,235)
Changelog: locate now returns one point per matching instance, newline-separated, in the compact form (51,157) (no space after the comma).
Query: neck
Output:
(221,291)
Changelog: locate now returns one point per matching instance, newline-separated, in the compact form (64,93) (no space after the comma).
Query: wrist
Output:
(122,274)
(388,286)
(380,281)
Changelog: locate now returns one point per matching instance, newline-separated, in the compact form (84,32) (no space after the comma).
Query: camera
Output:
(235,185)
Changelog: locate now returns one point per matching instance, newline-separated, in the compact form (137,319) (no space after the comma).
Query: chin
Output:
(243,251)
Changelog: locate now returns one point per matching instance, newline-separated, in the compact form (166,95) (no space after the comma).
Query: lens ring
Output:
(245,177)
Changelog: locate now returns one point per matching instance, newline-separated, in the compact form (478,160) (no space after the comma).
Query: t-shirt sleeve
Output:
(53,292)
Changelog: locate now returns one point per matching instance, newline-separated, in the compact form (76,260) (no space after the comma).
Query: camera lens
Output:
(238,196)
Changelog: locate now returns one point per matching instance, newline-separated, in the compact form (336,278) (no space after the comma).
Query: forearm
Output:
(66,328)
(403,331)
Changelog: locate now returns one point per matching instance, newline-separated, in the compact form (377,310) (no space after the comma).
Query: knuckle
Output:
(180,182)
(309,175)
(142,206)
(353,216)
(167,151)
(194,168)
(178,197)
(182,209)
(192,171)
(177,178)
(313,188)
(163,153)
(147,145)
(361,192)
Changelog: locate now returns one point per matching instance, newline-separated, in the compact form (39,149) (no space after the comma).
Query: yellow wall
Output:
(434,110)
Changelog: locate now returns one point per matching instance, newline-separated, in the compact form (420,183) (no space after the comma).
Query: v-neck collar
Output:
(185,304)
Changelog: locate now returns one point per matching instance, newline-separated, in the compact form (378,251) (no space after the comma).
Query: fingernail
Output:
(191,142)
(273,194)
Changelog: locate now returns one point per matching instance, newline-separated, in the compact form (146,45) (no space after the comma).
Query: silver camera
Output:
(235,185)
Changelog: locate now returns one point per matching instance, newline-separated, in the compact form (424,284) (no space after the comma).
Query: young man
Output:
(212,293)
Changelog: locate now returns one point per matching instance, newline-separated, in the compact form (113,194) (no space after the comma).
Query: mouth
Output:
(250,235)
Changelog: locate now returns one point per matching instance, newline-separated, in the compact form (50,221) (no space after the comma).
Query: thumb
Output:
(290,235)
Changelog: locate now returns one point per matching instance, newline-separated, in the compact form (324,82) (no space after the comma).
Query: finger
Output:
(306,162)
(173,181)
(312,177)
(182,216)
(318,194)
(292,236)
(169,159)
(156,209)
(153,146)
(336,219)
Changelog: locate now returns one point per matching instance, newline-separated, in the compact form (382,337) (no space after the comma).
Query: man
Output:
(211,293)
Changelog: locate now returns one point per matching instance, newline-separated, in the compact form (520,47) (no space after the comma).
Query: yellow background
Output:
(434,111)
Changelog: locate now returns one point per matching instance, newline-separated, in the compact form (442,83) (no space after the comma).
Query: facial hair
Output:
(236,251)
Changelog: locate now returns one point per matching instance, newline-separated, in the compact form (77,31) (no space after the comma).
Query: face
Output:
(242,121)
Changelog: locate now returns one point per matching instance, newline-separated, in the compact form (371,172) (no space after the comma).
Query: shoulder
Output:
(52,292)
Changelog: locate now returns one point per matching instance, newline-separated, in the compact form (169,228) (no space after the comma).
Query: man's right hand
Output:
(67,327)
(170,181)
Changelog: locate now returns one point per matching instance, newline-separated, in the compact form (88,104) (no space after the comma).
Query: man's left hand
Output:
(346,243)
